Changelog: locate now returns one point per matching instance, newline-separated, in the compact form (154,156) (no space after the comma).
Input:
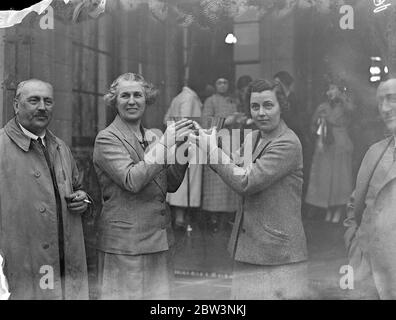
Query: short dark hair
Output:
(285,78)
(261,85)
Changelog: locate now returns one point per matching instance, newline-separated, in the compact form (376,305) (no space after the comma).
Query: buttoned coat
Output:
(135,217)
(28,218)
(371,234)
(268,229)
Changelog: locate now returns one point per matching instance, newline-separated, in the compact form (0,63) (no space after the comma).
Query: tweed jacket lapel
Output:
(260,146)
(130,138)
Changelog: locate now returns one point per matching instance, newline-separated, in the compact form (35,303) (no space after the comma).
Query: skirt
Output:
(138,277)
(330,181)
(281,282)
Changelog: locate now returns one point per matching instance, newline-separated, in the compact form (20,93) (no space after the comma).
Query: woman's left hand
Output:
(206,140)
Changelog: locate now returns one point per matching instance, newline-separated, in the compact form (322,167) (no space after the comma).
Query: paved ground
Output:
(204,269)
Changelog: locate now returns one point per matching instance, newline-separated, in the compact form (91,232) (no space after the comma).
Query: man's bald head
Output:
(386,97)
(23,84)
(387,86)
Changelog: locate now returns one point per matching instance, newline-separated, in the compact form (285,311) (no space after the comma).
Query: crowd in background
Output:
(324,136)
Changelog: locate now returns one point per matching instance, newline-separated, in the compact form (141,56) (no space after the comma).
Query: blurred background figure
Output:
(330,182)
(241,93)
(217,197)
(186,104)
(207,92)
(297,119)
(293,116)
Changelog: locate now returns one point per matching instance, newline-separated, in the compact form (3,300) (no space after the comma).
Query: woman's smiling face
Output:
(130,100)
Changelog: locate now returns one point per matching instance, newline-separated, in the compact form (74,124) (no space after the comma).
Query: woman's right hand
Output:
(177,132)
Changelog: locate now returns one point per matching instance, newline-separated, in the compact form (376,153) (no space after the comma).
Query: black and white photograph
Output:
(198,150)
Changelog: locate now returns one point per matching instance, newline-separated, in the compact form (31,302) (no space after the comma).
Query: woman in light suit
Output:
(134,229)
(268,241)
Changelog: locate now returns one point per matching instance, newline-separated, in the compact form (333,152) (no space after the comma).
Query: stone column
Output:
(171,58)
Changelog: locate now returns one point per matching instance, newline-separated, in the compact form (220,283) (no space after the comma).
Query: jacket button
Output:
(37,174)
(163,213)
(42,209)
(46,246)
(243,230)
(161,199)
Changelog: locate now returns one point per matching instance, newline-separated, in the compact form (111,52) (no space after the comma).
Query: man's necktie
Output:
(45,151)
(58,213)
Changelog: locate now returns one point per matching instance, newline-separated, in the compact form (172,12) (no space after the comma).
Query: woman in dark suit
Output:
(268,241)
(134,229)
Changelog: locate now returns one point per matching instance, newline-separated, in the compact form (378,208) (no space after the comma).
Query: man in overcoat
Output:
(371,219)
(41,202)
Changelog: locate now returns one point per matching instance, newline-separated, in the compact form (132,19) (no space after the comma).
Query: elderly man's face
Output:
(34,106)
(386,97)
(131,101)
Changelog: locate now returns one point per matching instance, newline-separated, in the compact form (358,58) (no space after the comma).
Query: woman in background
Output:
(217,198)
(242,86)
(330,184)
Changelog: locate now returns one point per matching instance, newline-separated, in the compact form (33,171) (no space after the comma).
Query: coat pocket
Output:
(275,233)
(121,224)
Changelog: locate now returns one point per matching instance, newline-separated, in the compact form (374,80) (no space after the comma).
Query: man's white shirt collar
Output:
(32,135)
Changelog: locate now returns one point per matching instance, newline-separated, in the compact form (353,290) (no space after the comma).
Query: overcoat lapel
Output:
(392,173)
(261,146)
(363,180)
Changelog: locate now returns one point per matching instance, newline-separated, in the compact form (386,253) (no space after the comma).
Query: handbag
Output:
(325,132)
